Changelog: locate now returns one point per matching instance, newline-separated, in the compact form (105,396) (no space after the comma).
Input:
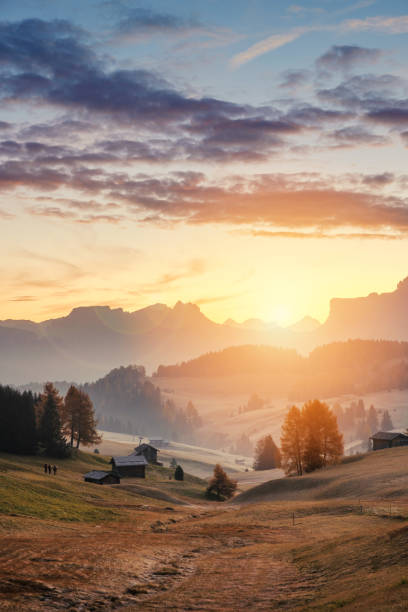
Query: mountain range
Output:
(92,340)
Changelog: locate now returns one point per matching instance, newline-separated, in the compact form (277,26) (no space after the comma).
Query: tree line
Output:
(355,366)
(126,401)
(46,423)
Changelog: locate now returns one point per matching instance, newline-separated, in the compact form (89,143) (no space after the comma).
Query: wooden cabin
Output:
(388,439)
(132,466)
(148,451)
(99,477)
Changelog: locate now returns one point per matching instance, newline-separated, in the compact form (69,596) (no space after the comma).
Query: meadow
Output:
(321,542)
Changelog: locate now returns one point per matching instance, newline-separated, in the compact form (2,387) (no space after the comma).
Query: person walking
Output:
(49,469)
(54,469)
(45,468)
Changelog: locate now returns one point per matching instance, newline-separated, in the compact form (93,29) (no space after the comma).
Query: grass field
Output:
(292,544)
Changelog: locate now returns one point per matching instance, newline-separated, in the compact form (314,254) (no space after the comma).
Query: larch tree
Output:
(79,418)
(323,441)
(221,487)
(310,438)
(267,454)
(292,442)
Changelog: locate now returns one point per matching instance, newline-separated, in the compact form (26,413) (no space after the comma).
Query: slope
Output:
(374,476)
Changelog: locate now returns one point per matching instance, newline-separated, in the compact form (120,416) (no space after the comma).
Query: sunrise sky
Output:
(246,155)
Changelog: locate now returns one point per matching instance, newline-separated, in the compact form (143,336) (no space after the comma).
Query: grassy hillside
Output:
(26,491)
(66,544)
(376,475)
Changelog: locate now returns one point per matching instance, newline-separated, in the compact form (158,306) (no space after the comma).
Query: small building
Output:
(148,451)
(99,477)
(132,466)
(388,439)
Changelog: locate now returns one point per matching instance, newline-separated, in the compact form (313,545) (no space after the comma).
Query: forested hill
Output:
(125,400)
(355,366)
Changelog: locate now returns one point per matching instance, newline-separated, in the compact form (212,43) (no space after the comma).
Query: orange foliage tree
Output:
(310,438)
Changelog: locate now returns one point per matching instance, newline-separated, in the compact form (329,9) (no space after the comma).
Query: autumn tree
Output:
(323,441)
(220,487)
(310,438)
(79,421)
(50,432)
(292,442)
(267,454)
(386,422)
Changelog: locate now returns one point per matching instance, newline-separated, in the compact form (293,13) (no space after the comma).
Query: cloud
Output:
(355,136)
(346,57)
(379,180)
(293,79)
(387,25)
(264,46)
(141,21)
(52,62)
(390,115)
(326,235)
(24,298)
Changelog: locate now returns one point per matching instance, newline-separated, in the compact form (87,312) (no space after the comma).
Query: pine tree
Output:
(221,487)
(372,419)
(50,433)
(267,454)
(173,463)
(386,422)
(179,473)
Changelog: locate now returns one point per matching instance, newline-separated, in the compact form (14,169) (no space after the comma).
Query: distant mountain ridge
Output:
(92,340)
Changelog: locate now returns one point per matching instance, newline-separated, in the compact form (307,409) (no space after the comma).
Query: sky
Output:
(249,156)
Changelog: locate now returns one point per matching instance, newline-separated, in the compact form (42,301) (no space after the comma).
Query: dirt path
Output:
(169,561)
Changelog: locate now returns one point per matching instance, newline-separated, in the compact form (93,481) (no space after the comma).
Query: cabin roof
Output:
(142,447)
(97,474)
(388,435)
(130,460)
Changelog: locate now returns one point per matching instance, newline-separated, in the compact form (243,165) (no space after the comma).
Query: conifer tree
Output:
(50,433)
(372,419)
(179,473)
(386,422)
(267,454)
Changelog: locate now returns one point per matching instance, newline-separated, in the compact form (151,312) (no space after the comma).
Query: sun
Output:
(281,315)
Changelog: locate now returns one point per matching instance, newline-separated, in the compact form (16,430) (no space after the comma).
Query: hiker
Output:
(49,469)
(45,468)
(54,469)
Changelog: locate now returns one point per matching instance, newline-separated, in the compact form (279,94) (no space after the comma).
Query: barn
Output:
(388,439)
(148,451)
(99,477)
(132,466)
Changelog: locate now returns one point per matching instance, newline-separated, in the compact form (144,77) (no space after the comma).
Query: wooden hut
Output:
(388,439)
(99,477)
(148,451)
(132,466)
